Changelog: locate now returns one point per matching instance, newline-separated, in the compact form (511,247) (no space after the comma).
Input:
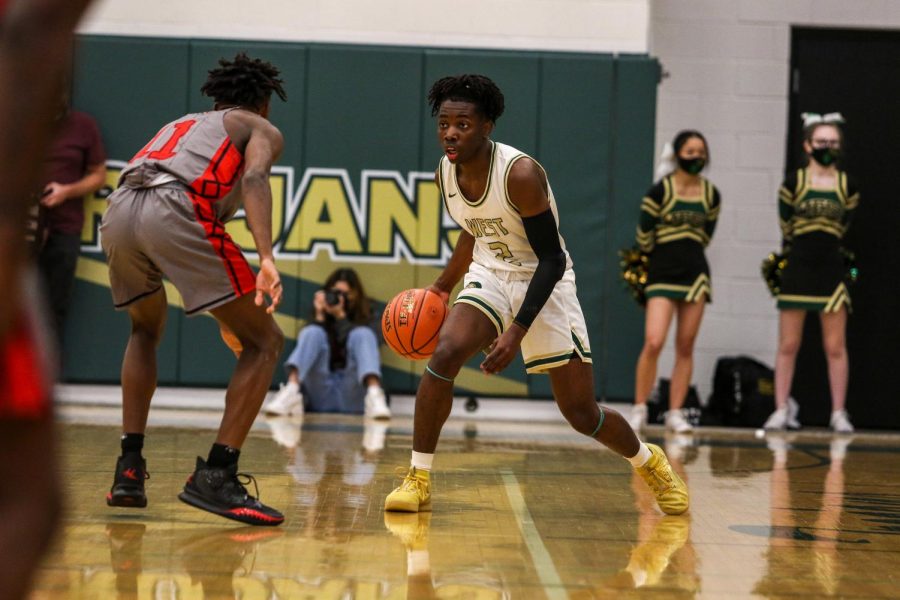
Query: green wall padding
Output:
(356,111)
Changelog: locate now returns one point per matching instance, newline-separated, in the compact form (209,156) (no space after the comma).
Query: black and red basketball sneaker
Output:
(220,491)
(128,484)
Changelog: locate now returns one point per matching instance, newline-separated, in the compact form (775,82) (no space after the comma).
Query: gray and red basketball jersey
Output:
(196,151)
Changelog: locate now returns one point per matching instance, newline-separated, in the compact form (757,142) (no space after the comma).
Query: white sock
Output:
(293,387)
(422,460)
(642,456)
(418,562)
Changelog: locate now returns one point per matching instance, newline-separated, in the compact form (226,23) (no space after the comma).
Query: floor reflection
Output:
(664,557)
(805,524)
(521,511)
(126,541)
(411,529)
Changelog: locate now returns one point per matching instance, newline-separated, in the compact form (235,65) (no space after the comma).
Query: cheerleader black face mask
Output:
(826,155)
(692,165)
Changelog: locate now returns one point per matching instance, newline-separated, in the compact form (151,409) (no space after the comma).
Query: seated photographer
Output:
(335,366)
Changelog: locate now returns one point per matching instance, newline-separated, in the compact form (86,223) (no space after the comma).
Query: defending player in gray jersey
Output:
(168,219)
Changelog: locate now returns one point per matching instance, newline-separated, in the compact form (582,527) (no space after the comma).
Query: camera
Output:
(333,297)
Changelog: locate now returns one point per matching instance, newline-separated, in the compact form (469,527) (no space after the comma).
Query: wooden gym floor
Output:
(521,510)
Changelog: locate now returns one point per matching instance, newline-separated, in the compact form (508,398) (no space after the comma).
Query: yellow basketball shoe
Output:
(413,495)
(410,528)
(670,491)
(650,559)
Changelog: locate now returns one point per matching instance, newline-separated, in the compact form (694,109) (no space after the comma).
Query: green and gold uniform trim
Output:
(545,362)
(489,311)
(583,351)
(666,217)
(828,304)
(804,209)
(695,292)
(440,183)
(487,188)
(509,165)
(550,361)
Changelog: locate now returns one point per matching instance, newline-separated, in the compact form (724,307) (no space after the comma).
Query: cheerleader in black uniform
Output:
(678,217)
(815,204)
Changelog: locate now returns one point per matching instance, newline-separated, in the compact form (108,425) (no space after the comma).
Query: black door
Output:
(857,72)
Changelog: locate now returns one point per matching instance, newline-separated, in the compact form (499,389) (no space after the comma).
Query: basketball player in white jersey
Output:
(168,218)
(519,292)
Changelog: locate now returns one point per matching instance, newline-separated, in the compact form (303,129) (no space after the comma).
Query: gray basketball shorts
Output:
(165,231)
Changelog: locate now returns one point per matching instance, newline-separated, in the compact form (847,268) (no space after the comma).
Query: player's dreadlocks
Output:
(477,89)
(244,81)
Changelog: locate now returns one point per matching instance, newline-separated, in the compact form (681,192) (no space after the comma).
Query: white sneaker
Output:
(285,431)
(778,420)
(838,447)
(676,445)
(376,404)
(840,422)
(777,443)
(793,411)
(779,446)
(676,422)
(374,436)
(638,417)
(288,401)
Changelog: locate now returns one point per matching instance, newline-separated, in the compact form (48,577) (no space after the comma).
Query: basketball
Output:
(411,323)
(231,340)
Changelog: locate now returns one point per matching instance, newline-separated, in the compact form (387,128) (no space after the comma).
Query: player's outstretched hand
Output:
(268,283)
(503,350)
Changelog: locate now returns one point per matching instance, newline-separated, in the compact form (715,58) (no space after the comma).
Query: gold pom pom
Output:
(634,263)
(772,267)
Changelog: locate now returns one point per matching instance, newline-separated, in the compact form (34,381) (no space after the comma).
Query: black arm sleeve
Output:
(543,236)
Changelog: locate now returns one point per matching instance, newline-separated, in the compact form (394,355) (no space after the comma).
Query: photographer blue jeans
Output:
(340,390)
(335,366)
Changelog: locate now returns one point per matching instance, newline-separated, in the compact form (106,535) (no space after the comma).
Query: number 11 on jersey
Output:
(167,150)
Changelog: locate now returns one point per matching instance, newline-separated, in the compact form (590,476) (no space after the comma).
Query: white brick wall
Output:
(581,25)
(728,64)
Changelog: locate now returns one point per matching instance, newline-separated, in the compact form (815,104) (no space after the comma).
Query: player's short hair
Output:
(243,81)
(477,89)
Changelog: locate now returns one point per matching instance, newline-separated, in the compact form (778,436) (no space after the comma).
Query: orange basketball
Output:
(230,339)
(411,323)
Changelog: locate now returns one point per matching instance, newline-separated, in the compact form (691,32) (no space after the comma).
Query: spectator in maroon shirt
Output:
(75,166)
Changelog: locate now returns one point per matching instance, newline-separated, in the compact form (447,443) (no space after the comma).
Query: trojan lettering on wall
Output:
(392,228)
(392,218)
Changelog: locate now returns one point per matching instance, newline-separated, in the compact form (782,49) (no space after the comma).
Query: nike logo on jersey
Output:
(453,194)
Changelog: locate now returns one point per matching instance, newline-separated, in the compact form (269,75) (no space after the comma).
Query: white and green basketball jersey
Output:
(493,220)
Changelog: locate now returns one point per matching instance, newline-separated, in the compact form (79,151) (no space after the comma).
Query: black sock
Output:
(222,456)
(132,442)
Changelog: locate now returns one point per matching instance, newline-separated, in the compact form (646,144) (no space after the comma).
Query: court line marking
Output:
(540,556)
